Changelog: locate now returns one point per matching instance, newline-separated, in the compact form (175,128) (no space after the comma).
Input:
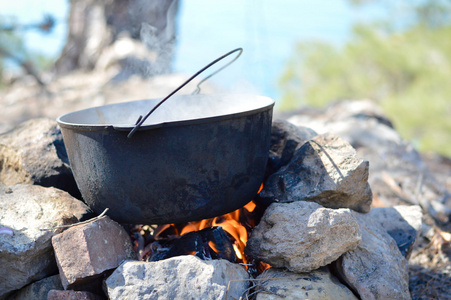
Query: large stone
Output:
(85,252)
(325,170)
(34,153)
(376,269)
(30,210)
(285,140)
(399,175)
(303,236)
(38,289)
(181,277)
(403,223)
(320,284)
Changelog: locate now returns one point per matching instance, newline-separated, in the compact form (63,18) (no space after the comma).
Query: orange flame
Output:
(236,224)
(230,223)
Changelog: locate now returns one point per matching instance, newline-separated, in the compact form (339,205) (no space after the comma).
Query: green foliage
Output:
(408,73)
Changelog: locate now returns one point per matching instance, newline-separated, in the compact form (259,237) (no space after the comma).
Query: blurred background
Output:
(301,53)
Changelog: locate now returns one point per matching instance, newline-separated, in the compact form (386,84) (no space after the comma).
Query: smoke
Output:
(160,38)
(159,46)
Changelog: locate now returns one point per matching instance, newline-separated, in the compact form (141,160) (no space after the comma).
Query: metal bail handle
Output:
(142,119)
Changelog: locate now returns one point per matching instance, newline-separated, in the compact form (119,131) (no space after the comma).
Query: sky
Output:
(266,29)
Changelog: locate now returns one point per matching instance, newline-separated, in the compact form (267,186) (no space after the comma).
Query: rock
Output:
(440,166)
(402,223)
(181,277)
(325,170)
(303,236)
(38,289)
(30,210)
(376,269)
(398,173)
(285,140)
(34,153)
(316,285)
(360,123)
(84,252)
(72,295)
(401,178)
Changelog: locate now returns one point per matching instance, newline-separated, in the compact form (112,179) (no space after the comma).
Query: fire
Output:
(237,225)
(231,224)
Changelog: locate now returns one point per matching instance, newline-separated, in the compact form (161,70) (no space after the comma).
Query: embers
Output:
(208,243)
(222,237)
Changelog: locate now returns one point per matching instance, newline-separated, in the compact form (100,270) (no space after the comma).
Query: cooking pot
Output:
(195,157)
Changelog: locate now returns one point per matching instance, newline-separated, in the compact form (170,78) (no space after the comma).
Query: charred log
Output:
(209,243)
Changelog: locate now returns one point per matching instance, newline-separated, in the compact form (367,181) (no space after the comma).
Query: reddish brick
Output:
(86,251)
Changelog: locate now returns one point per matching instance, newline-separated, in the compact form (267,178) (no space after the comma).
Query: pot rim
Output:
(268,105)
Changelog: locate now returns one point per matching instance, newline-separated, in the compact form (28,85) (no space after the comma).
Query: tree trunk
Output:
(96,24)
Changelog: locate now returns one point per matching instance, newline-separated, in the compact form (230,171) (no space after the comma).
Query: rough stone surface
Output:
(72,295)
(29,210)
(316,285)
(325,170)
(86,251)
(34,153)
(399,174)
(403,223)
(181,277)
(285,140)
(303,236)
(376,269)
(38,289)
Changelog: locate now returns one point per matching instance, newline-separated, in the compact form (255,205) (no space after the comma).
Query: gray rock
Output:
(360,123)
(84,252)
(303,236)
(181,277)
(72,295)
(398,172)
(376,269)
(403,223)
(285,140)
(34,153)
(325,170)
(29,210)
(316,285)
(38,289)
(400,177)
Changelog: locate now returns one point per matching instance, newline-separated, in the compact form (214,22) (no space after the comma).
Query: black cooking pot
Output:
(196,157)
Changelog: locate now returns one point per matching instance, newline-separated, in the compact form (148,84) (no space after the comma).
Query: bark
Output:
(96,24)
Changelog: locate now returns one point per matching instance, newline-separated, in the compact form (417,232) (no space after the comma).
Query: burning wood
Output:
(220,237)
(208,243)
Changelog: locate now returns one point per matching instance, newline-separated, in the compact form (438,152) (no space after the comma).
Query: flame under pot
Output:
(196,156)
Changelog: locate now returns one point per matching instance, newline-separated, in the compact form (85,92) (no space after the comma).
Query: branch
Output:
(26,65)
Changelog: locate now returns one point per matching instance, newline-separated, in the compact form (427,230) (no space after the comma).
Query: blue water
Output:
(266,29)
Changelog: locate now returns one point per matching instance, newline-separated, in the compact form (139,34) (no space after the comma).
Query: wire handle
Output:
(142,119)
